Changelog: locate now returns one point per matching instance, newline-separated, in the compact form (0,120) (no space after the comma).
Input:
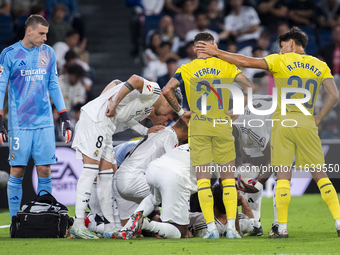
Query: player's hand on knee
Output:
(155,129)
(66,126)
(3,135)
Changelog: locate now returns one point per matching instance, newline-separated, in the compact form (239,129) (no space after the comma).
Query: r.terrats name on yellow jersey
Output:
(202,77)
(294,70)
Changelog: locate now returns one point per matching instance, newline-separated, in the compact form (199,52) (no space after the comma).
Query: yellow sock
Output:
(206,199)
(230,198)
(329,196)
(282,196)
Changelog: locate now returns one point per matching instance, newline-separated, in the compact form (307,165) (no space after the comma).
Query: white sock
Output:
(231,224)
(254,201)
(252,222)
(116,214)
(99,229)
(276,219)
(337,222)
(162,229)
(211,226)
(83,194)
(94,201)
(147,206)
(282,227)
(105,196)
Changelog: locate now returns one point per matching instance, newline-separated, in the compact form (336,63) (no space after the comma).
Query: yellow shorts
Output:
(204,149)
(303,143)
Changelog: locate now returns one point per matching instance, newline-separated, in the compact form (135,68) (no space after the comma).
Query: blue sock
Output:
(44,183)
(14,194)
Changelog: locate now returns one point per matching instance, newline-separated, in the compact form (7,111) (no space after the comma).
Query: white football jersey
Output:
(178,161)
(255,130)
(149,148)
(198,226)
(135,105)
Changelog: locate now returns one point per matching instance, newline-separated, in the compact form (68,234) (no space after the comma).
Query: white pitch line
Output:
(5,226)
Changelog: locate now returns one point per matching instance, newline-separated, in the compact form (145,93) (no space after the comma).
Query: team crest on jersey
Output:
(43,60)
(96,153)
(12,155)
(1,69)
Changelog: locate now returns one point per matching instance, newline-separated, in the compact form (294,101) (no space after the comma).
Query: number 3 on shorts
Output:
(16,143)
(99,142)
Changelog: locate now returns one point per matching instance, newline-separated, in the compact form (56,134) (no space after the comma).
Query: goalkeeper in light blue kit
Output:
(28,67)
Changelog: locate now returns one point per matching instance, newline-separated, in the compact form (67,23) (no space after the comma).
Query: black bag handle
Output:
(46,198)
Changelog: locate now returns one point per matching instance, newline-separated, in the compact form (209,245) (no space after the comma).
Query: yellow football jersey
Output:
(208,101)
(294,70)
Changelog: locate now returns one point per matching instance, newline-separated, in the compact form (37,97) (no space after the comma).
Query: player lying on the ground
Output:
(127,102)
(244,224)
(252,144)
(171,180)
(130,185)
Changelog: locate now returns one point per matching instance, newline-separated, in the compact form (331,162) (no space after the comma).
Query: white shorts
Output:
(129,190)
(171,190)
(93,140)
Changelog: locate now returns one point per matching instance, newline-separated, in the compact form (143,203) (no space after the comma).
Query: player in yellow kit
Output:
(210,132)
(292,68)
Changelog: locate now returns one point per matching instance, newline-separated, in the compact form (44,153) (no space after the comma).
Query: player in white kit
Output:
(128,103)
(252,133)
(130,186)
(171,180)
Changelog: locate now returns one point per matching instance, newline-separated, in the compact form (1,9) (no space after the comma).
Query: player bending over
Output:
(127,102)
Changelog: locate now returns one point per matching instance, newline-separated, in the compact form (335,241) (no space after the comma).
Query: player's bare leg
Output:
(229,197)
(328,194)
(282,197)
(14,189)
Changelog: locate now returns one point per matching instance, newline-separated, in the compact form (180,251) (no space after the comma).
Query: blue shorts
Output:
(38,143)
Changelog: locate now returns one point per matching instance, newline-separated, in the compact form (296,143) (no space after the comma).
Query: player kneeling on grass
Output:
(130,184)
(127,102)
(171,181)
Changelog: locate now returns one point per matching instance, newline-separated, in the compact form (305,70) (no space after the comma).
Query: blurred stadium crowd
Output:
(162,33)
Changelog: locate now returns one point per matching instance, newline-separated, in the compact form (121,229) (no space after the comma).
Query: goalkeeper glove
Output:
(3,132)
(66,126)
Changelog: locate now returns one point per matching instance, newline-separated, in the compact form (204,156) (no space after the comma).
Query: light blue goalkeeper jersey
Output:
(31,75)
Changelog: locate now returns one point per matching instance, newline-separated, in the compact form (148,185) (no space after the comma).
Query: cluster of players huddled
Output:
(149,184)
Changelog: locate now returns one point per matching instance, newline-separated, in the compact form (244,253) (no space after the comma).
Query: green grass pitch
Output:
(311,231)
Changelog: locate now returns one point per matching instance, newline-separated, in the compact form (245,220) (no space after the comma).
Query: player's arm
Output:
(168,92)
(333,98)
(58,100)
(111,85)
(139,128)
(5,68)
(236,59)
(134,82)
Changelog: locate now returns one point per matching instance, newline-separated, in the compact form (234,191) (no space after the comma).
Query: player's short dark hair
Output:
(34,20)
(181,125)
(300,38)
(70,55)
(76,69)
(206,37)
(217,192)
(171,60)
(259,75)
